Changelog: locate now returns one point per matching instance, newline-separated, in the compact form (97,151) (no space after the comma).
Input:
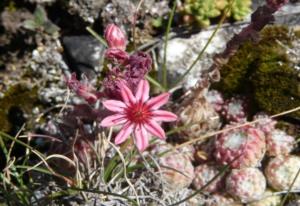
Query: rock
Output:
(120,13)
(47,66)
(12,20)
(84,54)
(156,8)
(181,53)
(88,10)
(288,15)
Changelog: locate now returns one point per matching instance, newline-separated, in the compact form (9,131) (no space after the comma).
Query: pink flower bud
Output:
(115,37)
(83,89)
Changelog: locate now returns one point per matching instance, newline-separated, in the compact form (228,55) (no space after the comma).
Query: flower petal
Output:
(127,94)
(155,129)
(124,133)
(165,116)
(157,102)
(113,120)
(141,138)
(114,105)
(142,93)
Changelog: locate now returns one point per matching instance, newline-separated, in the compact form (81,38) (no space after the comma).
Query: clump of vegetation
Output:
(202,11)
(40,22)
(264,72)
(240,9)
(18,99)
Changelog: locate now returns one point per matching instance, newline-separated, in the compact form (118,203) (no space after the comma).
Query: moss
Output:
(263,72)
(19,98)
(277,88)
(233,74)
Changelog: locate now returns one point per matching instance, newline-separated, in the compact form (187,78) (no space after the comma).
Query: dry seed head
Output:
(198,115)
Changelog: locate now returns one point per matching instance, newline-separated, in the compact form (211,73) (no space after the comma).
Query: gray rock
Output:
(88,10)
(48,68)
(84,54)
(120,12)
(181,53)
(289,15)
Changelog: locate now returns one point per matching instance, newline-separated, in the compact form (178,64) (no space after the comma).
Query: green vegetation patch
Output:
(264,73)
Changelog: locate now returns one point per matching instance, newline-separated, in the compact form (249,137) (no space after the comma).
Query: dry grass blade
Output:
(204,137)
(125,172)
(40,155)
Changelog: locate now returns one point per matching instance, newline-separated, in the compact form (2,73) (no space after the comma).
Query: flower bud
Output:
(115,37)
(83,89)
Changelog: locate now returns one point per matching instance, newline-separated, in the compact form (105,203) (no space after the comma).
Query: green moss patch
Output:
(263,72)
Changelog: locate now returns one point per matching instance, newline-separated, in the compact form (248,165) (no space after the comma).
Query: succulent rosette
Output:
(281,172)
(216,99)
(188,151)
(265,123)
(241,147)
(247,184)
(203,175)
(279,143)
(234,109)
(176,170)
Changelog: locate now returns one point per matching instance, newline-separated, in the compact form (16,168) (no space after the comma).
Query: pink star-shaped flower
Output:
(138,115)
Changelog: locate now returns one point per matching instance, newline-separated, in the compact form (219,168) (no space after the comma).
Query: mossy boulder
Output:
(264,73)
(17,104)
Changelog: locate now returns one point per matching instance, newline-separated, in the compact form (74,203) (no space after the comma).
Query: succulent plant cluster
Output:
(198,117)
(259,155)
(202,11)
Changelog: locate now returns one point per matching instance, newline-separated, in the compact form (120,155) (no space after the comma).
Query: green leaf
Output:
(50,28)
(30,25)
(40,15)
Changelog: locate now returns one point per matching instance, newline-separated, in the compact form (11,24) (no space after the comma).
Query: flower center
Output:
(138,113)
